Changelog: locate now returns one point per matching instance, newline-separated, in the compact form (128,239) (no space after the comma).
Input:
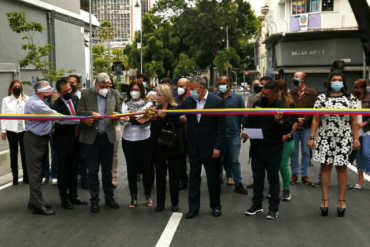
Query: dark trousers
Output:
(183,169)
(173,166)
(53,172)
(68,166)
(137,154)
(15,140)
(99,153)
(83,170)
(271,165)
(35,151)
(212,167)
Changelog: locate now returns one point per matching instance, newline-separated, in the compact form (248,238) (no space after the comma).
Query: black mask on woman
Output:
(17,91)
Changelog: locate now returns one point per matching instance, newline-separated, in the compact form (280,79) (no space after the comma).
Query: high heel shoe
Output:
(325,210)
(357,186)
(133,203)
(341,210)
(149,202)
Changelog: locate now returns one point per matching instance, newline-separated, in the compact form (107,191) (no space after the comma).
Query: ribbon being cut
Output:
(152,113)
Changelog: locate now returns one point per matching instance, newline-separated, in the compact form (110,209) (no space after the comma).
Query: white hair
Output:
(40,84)
(102,78)
(154,93)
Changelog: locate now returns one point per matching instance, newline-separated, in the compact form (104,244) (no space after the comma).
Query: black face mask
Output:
(296,82)
(74,89)
(257,88)
(67,96)
(265,101)
(17,91)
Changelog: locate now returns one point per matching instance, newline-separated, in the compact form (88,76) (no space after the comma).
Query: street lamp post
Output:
(141,37)
(227,47)
(90,48)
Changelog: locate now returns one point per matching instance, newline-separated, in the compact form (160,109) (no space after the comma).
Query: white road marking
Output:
(169,231)
(9,184)
(354,168)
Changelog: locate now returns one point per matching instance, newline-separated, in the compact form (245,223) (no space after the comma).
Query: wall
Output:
(71,5)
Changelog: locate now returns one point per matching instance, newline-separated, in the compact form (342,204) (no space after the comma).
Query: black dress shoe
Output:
(175,208)
(67,205)
(84,185)
(183,186)
(159,208)
(192,214)
(216,213)
(31,206)
(78,201)
(112,204)
(94,208)
(43,211)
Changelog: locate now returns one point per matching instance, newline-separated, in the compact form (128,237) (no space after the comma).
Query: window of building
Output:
(327,5)
(311,6)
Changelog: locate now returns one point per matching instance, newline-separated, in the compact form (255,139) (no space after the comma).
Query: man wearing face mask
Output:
(206,139)
(267,153)
(183,92)
(67,147)
(74,80)
(230,156)
(37,139)
(303,97)
(168,81)
(258,90)
(98,137)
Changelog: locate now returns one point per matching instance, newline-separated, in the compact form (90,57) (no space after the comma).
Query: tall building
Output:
(138,9)
(118,13)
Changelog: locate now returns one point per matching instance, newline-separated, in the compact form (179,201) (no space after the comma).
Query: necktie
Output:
(77,129)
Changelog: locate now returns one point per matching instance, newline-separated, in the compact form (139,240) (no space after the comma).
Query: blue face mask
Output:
(144,84)
(337,85)
(194,94)
(222,88)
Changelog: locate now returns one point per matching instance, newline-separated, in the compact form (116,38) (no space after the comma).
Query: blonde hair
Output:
(166,90)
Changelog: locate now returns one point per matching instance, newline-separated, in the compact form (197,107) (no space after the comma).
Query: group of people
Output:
(155,147)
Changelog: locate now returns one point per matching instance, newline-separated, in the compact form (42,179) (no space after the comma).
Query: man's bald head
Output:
(256,82)
(224,78)
(183,82)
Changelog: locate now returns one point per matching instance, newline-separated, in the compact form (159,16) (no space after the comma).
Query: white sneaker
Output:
(44,181)
(54,181)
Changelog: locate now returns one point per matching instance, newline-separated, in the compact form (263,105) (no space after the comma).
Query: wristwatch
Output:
(356,140)
(289,135)
(312,138)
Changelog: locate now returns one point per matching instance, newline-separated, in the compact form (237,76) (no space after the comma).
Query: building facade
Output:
(308,36)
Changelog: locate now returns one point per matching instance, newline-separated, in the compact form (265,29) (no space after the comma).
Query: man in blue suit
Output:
(206,138)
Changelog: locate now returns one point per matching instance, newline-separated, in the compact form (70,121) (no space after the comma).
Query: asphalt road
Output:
(299,222)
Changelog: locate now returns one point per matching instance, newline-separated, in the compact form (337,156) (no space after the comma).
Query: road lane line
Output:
(9,184)
(354,168)
(169,231)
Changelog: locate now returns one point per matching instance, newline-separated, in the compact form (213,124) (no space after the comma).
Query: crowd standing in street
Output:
(157,147)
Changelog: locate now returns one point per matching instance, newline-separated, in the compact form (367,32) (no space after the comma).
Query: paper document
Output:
(254,133)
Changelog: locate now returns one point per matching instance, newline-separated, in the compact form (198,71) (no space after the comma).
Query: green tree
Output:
(106,32)
(223,57)
(200,22)
(37,56)
(153,67)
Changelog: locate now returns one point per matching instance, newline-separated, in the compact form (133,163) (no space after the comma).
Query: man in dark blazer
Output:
(99,137)
(206,138)
(67,147)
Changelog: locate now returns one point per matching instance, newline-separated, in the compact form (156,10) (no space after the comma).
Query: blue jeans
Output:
(99,153)
(301,136)
(230,159)
(54,162)
(271,165)
(363,155)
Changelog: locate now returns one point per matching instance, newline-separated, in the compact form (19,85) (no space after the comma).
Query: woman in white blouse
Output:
(136,142)
(14,129)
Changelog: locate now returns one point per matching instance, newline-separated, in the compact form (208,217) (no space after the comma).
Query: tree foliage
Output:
(37,56)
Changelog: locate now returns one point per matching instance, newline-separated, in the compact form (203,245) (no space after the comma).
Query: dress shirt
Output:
(135,132)
(101,105)
(233,122)
(78,94)
(36,105)
(12,105)
(200,105)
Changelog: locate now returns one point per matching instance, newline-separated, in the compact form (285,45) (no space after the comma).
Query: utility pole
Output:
(91,57)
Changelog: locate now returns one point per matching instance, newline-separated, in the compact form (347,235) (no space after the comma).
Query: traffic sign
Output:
(246,73)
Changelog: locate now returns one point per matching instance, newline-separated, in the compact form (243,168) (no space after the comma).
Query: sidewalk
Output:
(7,178)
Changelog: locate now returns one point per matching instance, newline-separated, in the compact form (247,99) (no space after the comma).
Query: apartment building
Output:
(308,36)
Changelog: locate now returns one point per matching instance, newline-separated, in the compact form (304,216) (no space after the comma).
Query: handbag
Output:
(167,138)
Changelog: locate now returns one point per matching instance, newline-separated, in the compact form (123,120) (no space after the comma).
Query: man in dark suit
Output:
(206,138)
(98,138)
(67,147)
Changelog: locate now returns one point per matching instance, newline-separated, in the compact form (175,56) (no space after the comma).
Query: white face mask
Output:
(135,94)
(103,92)
(180,91)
